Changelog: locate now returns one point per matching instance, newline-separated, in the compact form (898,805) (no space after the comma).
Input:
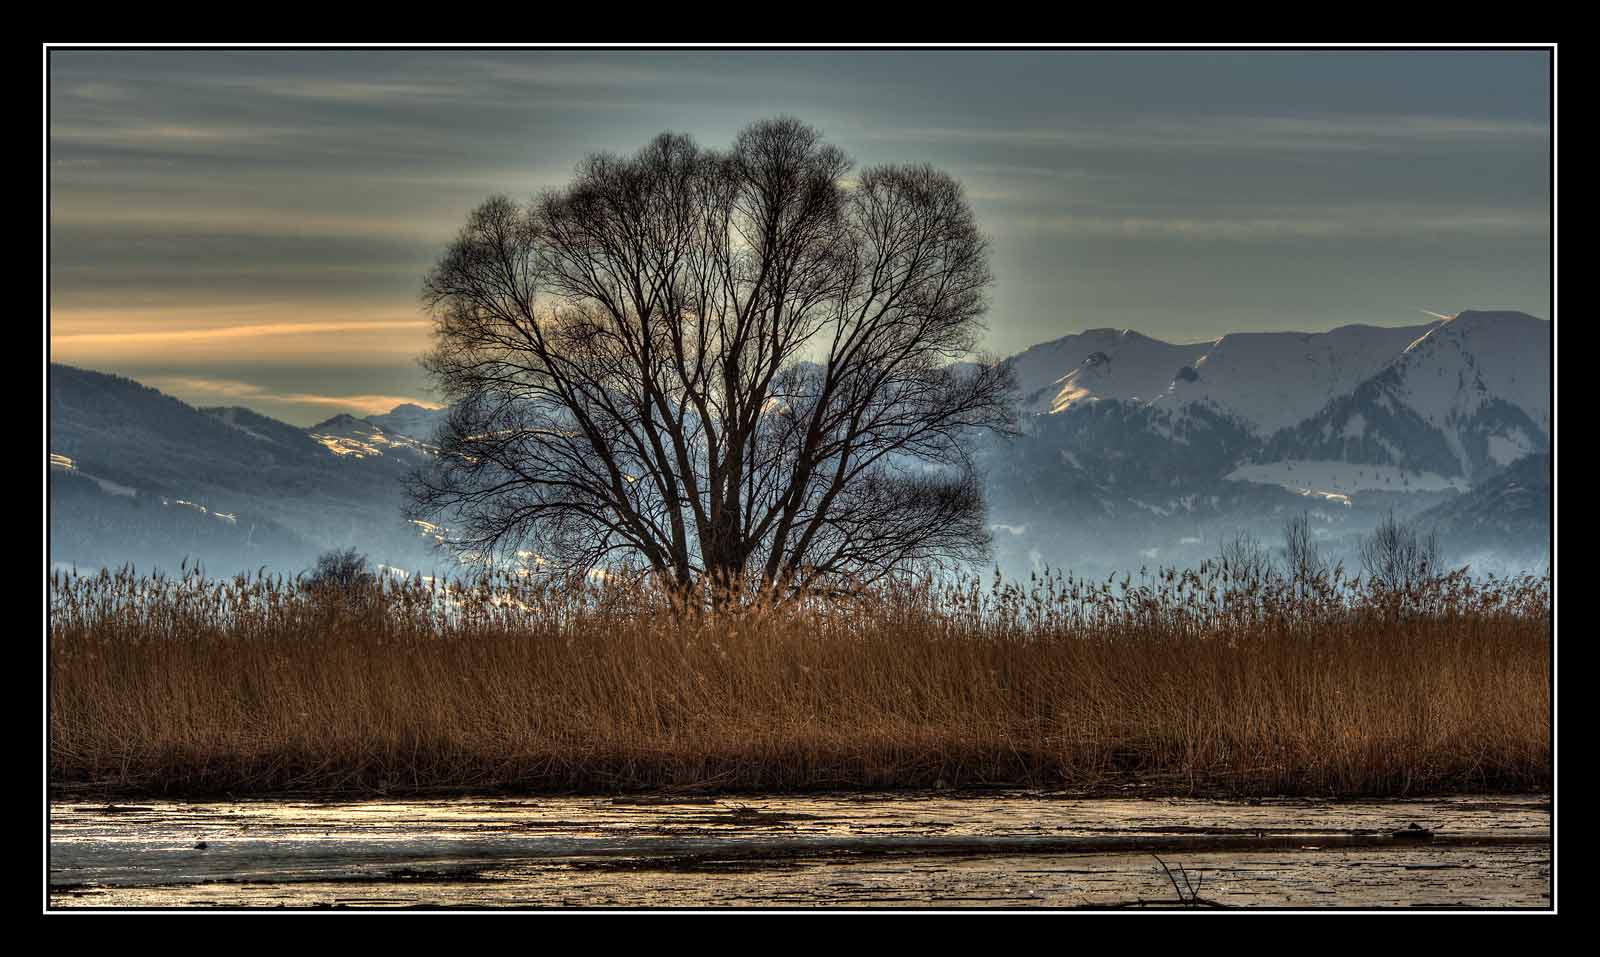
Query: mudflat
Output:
(860,850)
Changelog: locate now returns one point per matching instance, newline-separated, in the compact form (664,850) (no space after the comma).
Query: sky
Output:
(252,228)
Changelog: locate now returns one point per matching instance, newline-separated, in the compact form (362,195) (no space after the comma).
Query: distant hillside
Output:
(412,420)
(1508,511)
(1140,450)
(127,456)
(1135,452)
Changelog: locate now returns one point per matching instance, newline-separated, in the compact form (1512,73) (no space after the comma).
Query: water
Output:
(849,850)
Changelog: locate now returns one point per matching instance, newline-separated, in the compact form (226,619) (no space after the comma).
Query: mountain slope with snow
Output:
(139,475)
(1509,510)
(1444,400)
(1139,451)
(1142,449)
(1275,379)
(1100,364)
(411,420)
(1469,397)
(346,435)
(1264,380)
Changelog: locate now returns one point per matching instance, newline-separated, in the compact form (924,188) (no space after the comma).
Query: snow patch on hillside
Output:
(232,518)
(1337,481)
(1505,449)
(64,463)
(410,419)
(345,435)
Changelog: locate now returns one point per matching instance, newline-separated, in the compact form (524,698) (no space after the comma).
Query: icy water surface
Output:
(858,851)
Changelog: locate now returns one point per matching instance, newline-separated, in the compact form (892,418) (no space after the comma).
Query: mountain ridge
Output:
(1145,450)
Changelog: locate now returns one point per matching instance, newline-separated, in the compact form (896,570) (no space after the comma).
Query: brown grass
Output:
(1190,682)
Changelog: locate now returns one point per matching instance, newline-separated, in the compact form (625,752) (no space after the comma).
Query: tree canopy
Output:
(741,363)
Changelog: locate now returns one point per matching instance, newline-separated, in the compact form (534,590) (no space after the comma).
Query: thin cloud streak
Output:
(230,332)
(1238,133)
(287,223)
(1265,229)
(236,391)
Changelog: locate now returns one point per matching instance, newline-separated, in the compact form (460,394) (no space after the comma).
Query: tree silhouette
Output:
(340,571)
(1302,560)
(728,364)
(1244,558)
(1398,556)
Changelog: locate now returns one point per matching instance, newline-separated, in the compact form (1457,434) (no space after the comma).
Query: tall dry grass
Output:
(1200,681)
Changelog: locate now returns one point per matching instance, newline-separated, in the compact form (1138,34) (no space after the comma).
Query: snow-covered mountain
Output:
(346,435)
(1450,398)
(1137,451)
(1507,509)
(1265,380)
(1470,397)
(1162,445)
(412,420)
(1100,364)
(139,476)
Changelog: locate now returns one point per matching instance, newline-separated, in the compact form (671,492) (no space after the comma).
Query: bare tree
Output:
(340,571)
(729,364)
(1302,560)
(1397,556)
(1244,558)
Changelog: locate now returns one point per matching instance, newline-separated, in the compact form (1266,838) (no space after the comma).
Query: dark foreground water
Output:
(858,851)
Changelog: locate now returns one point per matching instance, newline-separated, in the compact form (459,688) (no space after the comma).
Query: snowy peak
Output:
(1492,355)
(1128,366)
(1100,364)
(1271,380)
(1467,398)
(1264,380)
(1441,404)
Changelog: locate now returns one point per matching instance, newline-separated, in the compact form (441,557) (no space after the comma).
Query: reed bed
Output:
(1204,681)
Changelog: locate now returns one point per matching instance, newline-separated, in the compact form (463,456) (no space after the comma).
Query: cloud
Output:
(205,390)
(84,217)
(352,91)
(98,92)
(1330,224)
(615,72)
(132,133)
(1241,133)
(191,334)
(186,186)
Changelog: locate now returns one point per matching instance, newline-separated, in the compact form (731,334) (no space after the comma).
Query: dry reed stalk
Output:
(1185,681)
